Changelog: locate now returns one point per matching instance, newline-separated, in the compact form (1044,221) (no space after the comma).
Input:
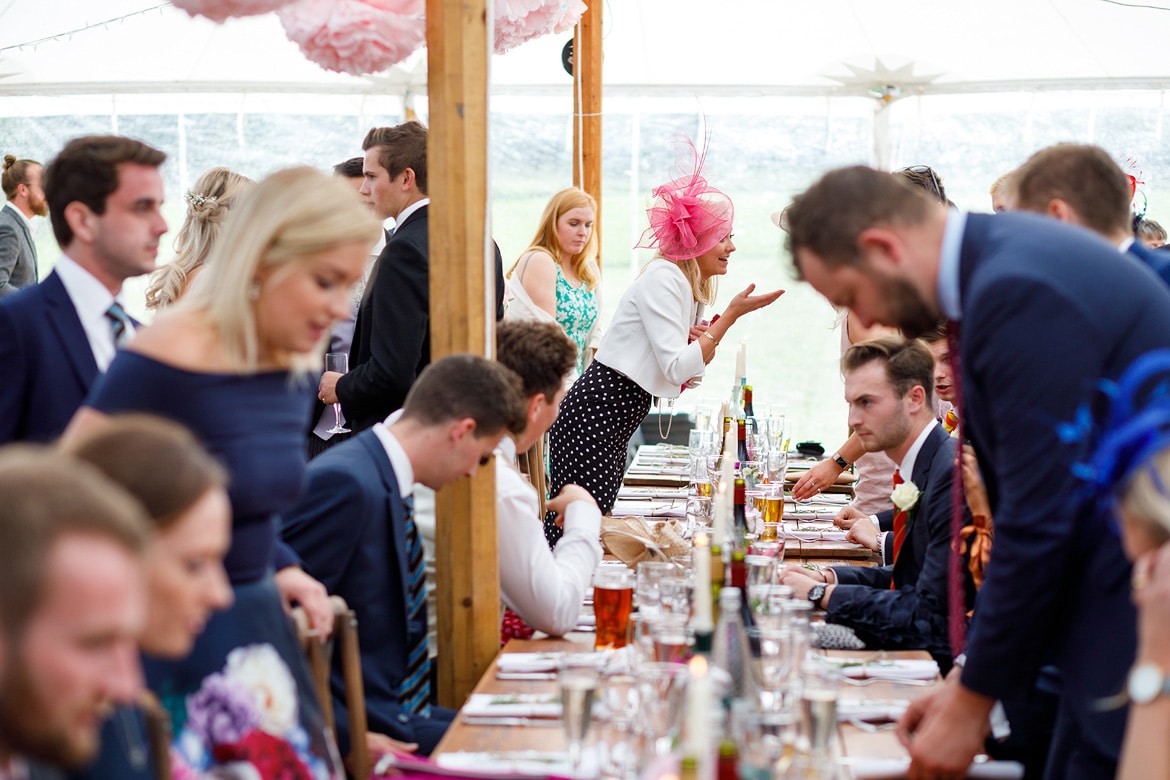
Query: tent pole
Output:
(587,107)
(468,587)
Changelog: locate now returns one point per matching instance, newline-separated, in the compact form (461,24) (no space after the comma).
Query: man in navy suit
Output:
(104,195)
(1080,184)
(354,532)
(21,181)
(392,336)
(888,383)
(1046,312)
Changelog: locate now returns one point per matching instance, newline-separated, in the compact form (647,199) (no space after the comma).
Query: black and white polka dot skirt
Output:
(588,441)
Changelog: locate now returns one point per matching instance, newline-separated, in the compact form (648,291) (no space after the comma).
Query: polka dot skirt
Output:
(588,441)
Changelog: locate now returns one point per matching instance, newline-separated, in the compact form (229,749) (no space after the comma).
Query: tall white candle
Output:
(701,561)
(741,363)
(698,707)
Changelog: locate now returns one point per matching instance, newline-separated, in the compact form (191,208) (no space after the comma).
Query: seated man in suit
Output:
(1082,185)
(543,586)
(888,385)
(355,532)
(21,182)
(105,195)
(72,604)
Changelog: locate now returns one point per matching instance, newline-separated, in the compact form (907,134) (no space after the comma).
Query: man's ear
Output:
(916,395)
(81,220)
(1058,208)
(461,428)
(882,247)
(534,403)
(409,179)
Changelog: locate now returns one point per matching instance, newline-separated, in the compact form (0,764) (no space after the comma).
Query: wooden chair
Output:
(158,735)
(319,654)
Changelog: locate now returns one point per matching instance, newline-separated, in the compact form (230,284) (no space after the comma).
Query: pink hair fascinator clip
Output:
(688,216)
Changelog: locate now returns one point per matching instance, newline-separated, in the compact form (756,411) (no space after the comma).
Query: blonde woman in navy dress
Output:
(230,361)
(654,345)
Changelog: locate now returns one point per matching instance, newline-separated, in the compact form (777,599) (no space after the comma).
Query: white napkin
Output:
(634,493)
(528,662)
(816,536)
(896,768)
(545,705)
(649,508)
(872,710)
(521,762)
(902,669)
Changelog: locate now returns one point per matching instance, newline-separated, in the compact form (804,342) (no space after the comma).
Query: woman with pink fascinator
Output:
(655,345)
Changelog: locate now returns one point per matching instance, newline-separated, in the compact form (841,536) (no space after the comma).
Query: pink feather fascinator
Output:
(687,216)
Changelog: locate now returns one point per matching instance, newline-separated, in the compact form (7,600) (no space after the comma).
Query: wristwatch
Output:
(817,592)
(1146,682)
(836,458)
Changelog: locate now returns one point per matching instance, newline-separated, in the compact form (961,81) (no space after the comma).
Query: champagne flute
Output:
(578,681)
(339,362)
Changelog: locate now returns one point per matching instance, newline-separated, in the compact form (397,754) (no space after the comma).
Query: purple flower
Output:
(221,711)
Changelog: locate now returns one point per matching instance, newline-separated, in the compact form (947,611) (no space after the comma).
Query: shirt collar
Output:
(403,470)
(507,448)
(90,297)
(1124,246)
(908,462)
(948,265)
(406,212)
(27,219)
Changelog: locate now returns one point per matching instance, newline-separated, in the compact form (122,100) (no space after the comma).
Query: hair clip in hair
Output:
(196,200)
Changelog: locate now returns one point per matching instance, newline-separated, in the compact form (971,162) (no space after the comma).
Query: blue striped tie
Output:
(414,695)
(119,323)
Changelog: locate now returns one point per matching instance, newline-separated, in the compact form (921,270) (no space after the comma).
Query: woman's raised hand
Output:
(745,302)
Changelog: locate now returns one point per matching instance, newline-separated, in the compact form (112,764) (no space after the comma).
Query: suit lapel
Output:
(66,324)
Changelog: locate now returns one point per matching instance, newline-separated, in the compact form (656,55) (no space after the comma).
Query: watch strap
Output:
(836,457)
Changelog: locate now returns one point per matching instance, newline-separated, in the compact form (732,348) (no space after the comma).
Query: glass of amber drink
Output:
(613,598)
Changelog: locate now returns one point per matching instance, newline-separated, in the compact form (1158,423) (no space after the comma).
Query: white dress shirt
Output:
(906,469)
(91,299)
(545,588)
(647,338)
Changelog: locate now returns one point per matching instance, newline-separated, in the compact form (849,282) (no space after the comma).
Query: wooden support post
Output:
(587,58)
(462,320)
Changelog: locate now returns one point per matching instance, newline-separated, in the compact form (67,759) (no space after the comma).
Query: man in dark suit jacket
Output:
(104,195)
(888,383)
(353,531)
(1046,312)
(392,336)
(1080,184)
(21,182)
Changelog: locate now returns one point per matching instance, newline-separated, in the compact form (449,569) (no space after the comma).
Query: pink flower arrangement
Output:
(355,36)
(519,21)
(219,10)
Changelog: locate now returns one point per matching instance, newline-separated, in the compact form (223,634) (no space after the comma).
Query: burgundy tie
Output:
(956,591)
(899,527)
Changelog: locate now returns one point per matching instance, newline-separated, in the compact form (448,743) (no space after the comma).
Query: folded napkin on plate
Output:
(406,767)
(816,536)
(871,710)
(528,662)
(626,508)
(902,669)
(522,762)
(895,768)
(512,705)
(633,493)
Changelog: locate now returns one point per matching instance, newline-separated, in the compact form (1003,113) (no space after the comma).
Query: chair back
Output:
(532,464)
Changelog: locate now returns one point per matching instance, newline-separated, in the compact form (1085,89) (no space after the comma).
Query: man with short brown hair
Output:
(72,603)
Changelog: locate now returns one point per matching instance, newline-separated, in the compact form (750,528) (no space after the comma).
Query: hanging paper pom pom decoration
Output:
(355,36)
(219,10)
(519,21)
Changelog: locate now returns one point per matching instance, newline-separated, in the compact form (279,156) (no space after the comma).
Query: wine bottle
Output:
(748,408)
(742,448)
(739,545)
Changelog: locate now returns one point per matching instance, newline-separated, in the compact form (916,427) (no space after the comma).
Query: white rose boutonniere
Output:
(906,496)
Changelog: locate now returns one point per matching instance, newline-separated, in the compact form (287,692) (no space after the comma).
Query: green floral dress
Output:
(576,313)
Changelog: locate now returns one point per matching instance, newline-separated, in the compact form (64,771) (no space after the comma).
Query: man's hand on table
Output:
(865,534)
(848,516)
(568,494)
(816,479)
(944,730)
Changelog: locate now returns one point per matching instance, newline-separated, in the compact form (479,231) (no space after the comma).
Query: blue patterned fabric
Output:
(415,693)
(576,313)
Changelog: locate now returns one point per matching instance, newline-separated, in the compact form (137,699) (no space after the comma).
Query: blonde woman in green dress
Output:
(557,278)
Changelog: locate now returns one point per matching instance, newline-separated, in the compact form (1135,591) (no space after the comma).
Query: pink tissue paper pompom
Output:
(355,36)
(219,10)
(519,21)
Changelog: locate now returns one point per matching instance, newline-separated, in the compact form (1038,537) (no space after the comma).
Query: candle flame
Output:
(698,666)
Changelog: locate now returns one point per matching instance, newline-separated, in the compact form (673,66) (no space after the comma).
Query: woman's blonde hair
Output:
(1144,496)
(291,214)
(584,263)
(704,290)
(210,198)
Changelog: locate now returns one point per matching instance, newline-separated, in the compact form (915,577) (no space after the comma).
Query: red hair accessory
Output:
(688,216)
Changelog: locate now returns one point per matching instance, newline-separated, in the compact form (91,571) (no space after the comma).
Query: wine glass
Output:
(578,680)
(339,362)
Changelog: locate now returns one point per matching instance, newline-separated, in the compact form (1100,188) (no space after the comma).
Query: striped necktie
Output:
(119,323)
(899,526)
(414,695)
